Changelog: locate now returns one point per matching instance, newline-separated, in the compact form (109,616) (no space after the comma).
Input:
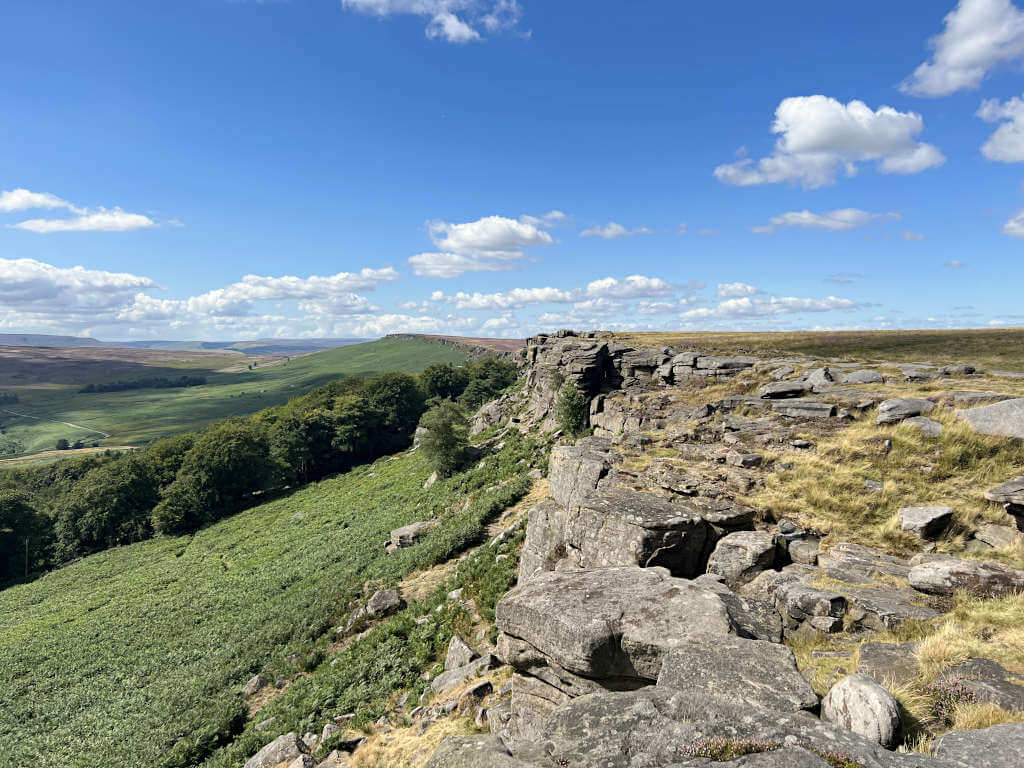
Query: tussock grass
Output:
(825,490)
(409,746)
(977,628)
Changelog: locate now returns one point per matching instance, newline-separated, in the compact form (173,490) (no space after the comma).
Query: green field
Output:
(138,416)
(135,656)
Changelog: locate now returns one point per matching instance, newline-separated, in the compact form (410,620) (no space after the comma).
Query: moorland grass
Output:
(135,656)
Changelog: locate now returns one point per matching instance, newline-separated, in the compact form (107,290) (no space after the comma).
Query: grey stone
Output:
(943,575)
(743,460)
(925,522)
(1005,418)
(739,670)
(989,682)
(957,369)
(456,677)
(609,622)
(740,556)
(998,536)
(889,663)
(303,761)
(1010,492)
(483,751)
(783,389)
(460,653)
(575,470)
(799,602)
(407,535)
(804,551)
(329,730)
(255,684)
(1001,746)
(804,409)
(820,379)
(970,399)
(282,749)
(865,376)
(782,372)
(896,409)
(924,425)
(384,602)
(724,363)
(861,705)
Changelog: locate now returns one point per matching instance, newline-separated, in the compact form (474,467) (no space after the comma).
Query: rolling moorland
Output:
(816,515)
(50,406)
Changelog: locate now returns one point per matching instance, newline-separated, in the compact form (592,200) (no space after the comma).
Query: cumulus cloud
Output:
(490,244)
(1015,226)
(775,305)
(613,231)
(736,290)
(1006,144)
(635,287)
(979,35)
(454,21)
(30,286)
(513,299)
(819,137)
(84,220)
(831,221)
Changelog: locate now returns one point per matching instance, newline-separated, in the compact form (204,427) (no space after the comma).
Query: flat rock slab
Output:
(943,575)
(889,664)
(970,399)
(1010,492)
(1005,418)
(805,409)
(610,622)
(778,390)
(925,522)
(924,425)
(739,670)
(864,376)
(1001,746)
(896,409)
(483,751)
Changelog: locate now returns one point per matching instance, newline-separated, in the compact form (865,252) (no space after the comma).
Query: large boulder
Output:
(384,602)
(1001,746)
(925,522)
(740,556)
(783,389)
(283,749)
(460,653)
(575,470)
(1005,418)
(616,622)
(944,575)
(738,670)
(859,704)
(408,535)
(896,409)
(820,379)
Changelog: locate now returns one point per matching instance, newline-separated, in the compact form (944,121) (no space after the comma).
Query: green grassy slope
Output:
(137,416)
(134,655)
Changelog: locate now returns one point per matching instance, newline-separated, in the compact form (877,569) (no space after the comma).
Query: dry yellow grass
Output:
(977,628)
(409,746)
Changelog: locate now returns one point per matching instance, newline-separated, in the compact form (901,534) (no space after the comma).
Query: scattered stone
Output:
(783,389)
(738,670)
(782,372)
(330,729)
(1001,746)
(873,486)
(460,653)
(483,751)
(861,705)
(944,575)
(408,535)
(1005,418)
(283,749)
(255,684)
(897,409)
(739,557)
(971,399)
(865,376)
(820,379)
(924,425)
(430,480)
(456,677)
(926,523)
(956,370)
(476,693)
(303,761)
(998,536)
(804,409)
(804,551)
(1010,494)
(744,460)
(384,602)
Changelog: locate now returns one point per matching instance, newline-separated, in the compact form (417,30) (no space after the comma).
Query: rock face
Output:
(1005,418)
(575,470)
(943,575)
(925,522)
(783,389)
(861,705)
(897,409)
(473,752)
(740,556)
(1011,495)
(283,749)
(1001,746)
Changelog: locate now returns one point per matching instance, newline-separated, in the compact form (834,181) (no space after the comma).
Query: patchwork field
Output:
(50,406)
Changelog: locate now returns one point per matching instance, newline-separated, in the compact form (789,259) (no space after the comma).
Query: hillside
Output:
(50,406)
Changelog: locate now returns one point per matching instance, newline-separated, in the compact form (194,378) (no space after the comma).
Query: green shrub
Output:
(571,410)
(446,439)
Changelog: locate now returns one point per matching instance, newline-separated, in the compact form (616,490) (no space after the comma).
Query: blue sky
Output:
(229,169)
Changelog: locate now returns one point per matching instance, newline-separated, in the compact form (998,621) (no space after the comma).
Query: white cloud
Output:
(24,200)
(613,231)
(1015,226)
(455,21)
(513,299)
(736,290)
(1006,144)
(681,229)
(102,220)
(31,286)
(485,245)
(911,236)
(774,305)
(820,136)
(633,287)
(979,35)
(832,221)
(449,265)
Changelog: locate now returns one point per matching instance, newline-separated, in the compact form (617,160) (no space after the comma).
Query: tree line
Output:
(54,513)
(160,382)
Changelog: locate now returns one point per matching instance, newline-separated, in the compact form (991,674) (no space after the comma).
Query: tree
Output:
(571,410)
(398,402)
(108,506)
(165,456)
(63,445)
(225,466)
(443,381)
(24,536)
(301,443)
(447,437)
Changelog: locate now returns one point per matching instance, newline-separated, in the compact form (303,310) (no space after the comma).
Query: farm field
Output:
(152,642)
(995,348)
(53,409)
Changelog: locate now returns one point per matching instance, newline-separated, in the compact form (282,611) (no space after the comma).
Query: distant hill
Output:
(272,347)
